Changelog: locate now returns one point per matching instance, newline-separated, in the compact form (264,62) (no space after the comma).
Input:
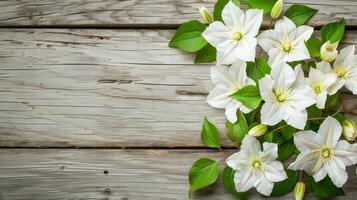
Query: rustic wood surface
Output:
(99,88)
(44,174)
(134,13)
(104,90)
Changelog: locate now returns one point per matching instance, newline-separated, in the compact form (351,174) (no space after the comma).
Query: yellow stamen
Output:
(287,47)
(256,164)
(237,36)
(325,153)
(340,72)
(281,98)
(317,88)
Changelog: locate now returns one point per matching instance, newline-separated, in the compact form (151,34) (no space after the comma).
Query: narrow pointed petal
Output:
(218,97)
(303,33)
(284,25)
(295,118)
(231,111)
(346,152)
(266,87)
(217,33)
(265,186)
(275,171)
(252,22)
(338,176)
(307,141)
(271,114)
(270,151)
(330,131)
(244,180)
(269,39)
(345,56)
(232,15)
(245,50)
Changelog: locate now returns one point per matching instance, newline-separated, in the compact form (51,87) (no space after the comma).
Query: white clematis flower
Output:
(345,68)
(227,81)
(286,43)
(320,83)
(322,154)
(235,39)
(286,96)
(256,168)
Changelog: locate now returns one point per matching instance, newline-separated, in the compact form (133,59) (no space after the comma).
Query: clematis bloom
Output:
(286,43)
(227,81)
(321,153)
(236,37)
(345,68)
(255,167)
(286,96)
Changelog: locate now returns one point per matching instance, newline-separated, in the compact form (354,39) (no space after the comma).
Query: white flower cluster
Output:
(286,94)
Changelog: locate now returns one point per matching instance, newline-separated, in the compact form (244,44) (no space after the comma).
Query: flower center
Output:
(287,47)
(317,88)
(280,97)
(340,72)
(256,164)
(237,36)
(330,48)
(326,153)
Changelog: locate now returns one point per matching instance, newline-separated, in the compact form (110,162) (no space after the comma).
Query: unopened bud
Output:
(206,15)
(329,51)
(299,190)
(258,130)
(349,130)
(276,10)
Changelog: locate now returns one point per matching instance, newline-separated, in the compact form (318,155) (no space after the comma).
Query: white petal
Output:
(306,160)
(218,97)
(231,111)
(303,33)
(351,84)
(283,75)
(307,141)
(329,80)
(338,175)
(330,131)
(225,52)
(245,110)
(237,161)
(245,180)
(269,39)
(336,86)
(266,87)
(220,75)
(265,186)
(300,77)
(302,97)
(299,52)
(276,56)
(285,25)
(252,22)
(274,171)
(271,113)
(295,118)
(217,33)
(251,145)
(320,174)
(232,15)
(346,152)
(321,100)
(325,67)
(270,151)
(245,49)
(238,73)
(345,56)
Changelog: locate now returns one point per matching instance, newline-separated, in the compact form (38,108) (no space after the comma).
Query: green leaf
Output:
(314,45)
(210,135)
(278,139)
(203,172)
(218,8)
(324,188)
(340,117)
(228,182)
(249,96)
(206,54)
(268,137)
(332,100)
(236,132)
(258,69)
(288,132)
(286,186)
(188,37)
(286,150)
(333,32)
(314,112)
(300,14)
(266,5)
(250,117)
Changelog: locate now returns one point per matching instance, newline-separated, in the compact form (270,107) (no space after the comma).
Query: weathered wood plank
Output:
(110,174)
(95,88)
(141,12)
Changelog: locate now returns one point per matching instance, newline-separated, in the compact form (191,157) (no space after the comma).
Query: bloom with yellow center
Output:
(320,83)
(329,51)
(322,153)
(286,42)
(227,81)
(256,167)
(235,37)
(345,68)
(286,96)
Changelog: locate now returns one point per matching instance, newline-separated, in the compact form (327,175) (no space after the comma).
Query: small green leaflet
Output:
(218,8)
(203,172)
(266,5)
(324,188)
(249,96)
(228,182)
(314,45)
(287,132)
(206,54)
(286,186)
(333,32)
(285,150)
(258,69)
(188,37)
(237,131)
(210,135)
(300,14)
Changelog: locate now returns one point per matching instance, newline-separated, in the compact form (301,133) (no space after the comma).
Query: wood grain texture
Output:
(111,174)
(95,88)
(142,12)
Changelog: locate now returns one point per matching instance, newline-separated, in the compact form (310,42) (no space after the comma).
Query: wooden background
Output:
(95,105)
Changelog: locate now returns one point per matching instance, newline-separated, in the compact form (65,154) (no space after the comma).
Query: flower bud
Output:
(349,130)
(206,15)
(329,51)
(276,10)
(258,130)
(299,190)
